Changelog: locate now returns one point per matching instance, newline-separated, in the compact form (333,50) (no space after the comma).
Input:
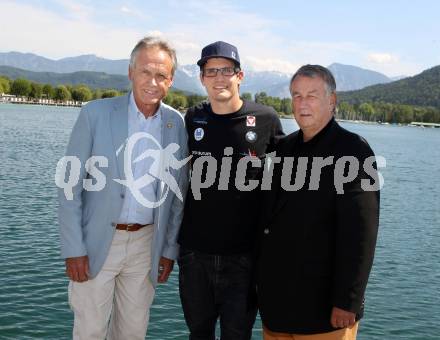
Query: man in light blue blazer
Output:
(119,223)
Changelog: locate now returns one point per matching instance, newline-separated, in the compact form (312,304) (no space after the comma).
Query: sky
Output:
(389,36)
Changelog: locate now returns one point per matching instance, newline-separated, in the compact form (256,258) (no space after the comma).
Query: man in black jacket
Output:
(319,230)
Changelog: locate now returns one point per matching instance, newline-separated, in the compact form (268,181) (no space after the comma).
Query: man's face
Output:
(312,105)
(221,88)
(151,76)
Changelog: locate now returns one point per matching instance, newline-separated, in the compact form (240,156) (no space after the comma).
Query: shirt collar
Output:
(135,110)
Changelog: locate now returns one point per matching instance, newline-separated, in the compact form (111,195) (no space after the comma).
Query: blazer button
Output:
(122,196)
(266,231)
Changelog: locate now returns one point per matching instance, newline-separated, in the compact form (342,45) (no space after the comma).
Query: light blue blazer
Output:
(87,223)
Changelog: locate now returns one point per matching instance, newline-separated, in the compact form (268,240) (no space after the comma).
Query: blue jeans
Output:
(212,287)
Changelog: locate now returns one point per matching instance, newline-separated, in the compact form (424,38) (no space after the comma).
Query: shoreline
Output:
(71,103)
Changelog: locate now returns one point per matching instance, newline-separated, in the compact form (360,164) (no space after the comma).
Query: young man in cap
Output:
(219,226)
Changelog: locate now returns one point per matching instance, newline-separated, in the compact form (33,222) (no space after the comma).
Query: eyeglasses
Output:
(225,71)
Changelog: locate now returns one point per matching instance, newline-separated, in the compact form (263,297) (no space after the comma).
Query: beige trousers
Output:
(115,304)
(340,334)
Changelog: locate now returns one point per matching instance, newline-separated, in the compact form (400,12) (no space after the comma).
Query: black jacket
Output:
(317,246)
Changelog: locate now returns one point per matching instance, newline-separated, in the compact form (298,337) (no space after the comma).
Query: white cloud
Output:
(269,64)
(76,9)
(382,58)
(321,52)
(390,64)
(134,13)
(399,68)
(48,34)
(57,36)
(205,22)
(263,43)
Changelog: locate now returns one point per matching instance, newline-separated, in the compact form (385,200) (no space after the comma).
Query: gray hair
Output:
(151,42)
(314,71)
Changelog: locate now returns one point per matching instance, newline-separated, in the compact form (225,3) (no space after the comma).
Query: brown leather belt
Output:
(130,226)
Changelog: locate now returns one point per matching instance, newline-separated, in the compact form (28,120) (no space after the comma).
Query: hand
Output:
(165,268)
(77,268)
(341,318)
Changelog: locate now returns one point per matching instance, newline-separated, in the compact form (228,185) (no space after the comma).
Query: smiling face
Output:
(312,105)
(221,89)
(151,77)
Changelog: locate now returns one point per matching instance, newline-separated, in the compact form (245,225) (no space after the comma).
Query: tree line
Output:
(366,111)
(25,88)
(422,90)
(388,112)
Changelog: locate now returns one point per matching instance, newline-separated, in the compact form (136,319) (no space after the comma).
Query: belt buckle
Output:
(129,225)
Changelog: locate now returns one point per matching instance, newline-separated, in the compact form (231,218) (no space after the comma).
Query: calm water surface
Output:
(403,296)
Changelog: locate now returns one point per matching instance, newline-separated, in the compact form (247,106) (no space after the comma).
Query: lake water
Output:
(403,295)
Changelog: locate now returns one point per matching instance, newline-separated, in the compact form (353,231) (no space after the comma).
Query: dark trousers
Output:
(212,287)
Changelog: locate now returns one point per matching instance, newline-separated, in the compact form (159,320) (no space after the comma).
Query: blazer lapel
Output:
(119,128)
(165,130)
(168,130)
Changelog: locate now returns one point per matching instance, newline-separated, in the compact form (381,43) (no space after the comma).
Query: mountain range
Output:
(350,77)
(105,73)
(92,79)
(422,90)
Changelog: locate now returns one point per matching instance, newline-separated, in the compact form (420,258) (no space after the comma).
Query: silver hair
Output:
(151,42)
(313,71)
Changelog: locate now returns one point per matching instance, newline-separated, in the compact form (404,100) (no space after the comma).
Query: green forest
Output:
(25,88)
(410,99)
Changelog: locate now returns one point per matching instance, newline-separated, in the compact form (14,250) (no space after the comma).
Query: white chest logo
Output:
(251,136)
(250,121)
(199,133)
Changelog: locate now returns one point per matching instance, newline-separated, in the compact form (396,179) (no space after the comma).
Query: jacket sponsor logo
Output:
(250,121)
(251,136)
(200,121)
(199,133)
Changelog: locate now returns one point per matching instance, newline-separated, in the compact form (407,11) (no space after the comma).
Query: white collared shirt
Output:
(133,211)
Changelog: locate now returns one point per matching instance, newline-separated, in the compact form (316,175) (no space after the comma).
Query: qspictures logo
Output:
(205,170)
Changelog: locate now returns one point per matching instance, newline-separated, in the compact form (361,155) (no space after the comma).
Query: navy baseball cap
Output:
(219,49)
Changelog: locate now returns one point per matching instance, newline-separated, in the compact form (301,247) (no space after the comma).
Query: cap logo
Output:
(233,54)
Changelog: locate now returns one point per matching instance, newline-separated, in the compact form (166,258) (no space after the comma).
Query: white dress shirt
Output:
(132,211)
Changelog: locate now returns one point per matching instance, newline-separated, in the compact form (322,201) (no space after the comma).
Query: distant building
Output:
(12,99)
